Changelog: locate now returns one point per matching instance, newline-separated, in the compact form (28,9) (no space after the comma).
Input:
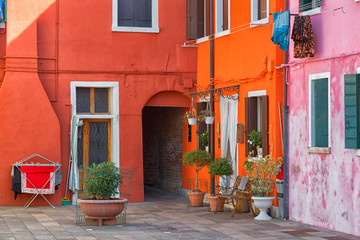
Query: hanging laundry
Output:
(281,29)
(38,179)
(303,37)
(16,181)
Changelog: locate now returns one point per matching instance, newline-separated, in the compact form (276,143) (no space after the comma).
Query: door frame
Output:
(112,116)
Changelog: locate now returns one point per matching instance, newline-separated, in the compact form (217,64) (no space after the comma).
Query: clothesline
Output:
(36,164)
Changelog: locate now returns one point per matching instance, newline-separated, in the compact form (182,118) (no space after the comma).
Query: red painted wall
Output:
(83,48)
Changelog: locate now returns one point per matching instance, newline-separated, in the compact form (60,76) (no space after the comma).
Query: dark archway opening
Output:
(162,148)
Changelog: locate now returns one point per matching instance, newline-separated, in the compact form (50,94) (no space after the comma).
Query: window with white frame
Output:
(310,7)
(222,15)
(259,11)
(319,110)
(135,15)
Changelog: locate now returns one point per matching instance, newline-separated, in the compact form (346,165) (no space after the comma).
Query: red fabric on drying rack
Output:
(38,175)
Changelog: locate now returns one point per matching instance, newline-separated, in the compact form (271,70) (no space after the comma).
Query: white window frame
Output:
(312,149)
(154,20)
(254,10)
(219,12)
(315,10)
(113,115)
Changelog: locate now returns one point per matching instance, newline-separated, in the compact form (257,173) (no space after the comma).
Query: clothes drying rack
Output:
(33,189)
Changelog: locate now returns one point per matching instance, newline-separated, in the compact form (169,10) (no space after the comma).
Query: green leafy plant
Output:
(255,139)
(102,181)
(262,172)
(197,159)
(221,166)
(204,139)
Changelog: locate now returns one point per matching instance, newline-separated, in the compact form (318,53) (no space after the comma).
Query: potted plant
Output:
(207,116)
(219,167)
(196,159)
(262,172)
(204,140)
(255,141)
(102,182)
(190,117)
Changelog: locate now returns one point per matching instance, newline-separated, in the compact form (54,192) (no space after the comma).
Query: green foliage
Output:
(197,159)
(255,139)
(102,180)
(204,139)
(221,166)
(262,172)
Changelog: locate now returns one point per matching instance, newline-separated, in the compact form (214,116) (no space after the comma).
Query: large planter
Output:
(263,204)
(196,198)
(102,209)
(216,203)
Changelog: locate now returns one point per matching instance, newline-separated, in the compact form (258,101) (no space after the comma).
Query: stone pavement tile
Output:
(313,238)
(86,238)
(24,236)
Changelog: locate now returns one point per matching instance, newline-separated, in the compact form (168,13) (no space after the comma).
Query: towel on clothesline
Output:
(281,29)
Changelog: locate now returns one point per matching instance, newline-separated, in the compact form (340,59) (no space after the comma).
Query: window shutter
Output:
(207,19)
(265,125)
(305,5)
(320,111)
(126,13)
(195,19)
(250,121)
(226,15)
(142,13)
(352,111)
(201,126)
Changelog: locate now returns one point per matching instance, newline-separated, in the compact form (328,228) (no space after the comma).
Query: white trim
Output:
(223,33)
(2,25)
(154,20)
(326,150)
(254,9)
(311,78)
(358,69)
(257,93)
(357,0)
(114,113)
(312,12)
(203,39)
(219,11)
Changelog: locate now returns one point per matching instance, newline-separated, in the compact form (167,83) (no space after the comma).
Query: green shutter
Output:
(320,121)
(305,5)
(352,105)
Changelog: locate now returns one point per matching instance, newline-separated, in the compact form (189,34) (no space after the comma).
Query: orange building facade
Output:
(118,67)
(243,56)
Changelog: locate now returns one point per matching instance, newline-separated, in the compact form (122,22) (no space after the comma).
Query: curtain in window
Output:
(228,121)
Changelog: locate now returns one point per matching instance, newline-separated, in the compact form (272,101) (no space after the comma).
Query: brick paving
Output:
(162,216)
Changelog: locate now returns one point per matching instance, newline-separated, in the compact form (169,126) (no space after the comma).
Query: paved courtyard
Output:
(162,216)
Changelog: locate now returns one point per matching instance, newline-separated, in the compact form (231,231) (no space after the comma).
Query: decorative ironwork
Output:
(230,92)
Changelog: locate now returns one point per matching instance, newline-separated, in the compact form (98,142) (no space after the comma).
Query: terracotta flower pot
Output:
(196,198)
(102,209)
(216,203)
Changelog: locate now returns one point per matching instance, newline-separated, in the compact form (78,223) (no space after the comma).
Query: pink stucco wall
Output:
(325,188)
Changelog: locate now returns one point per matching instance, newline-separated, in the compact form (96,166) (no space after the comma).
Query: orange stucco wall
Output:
(74,42)
(247,57)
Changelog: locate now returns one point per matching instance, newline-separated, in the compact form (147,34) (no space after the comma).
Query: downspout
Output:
(212,127)
(285,137)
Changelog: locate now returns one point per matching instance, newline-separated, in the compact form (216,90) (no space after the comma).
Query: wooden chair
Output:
(237,192)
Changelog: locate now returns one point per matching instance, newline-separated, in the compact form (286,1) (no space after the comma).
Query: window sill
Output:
(2,25)
(312,12)
(135,29)
(203,39)
(326,150)
(221,34)
(262,22)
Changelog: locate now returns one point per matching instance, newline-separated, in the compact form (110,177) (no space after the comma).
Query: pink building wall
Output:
(324,189)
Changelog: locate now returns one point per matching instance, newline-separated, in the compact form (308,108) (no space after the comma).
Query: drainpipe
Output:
(285,138)
(212,127)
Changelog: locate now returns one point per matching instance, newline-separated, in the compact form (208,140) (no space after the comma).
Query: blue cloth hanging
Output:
(1,6)
(281,29)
